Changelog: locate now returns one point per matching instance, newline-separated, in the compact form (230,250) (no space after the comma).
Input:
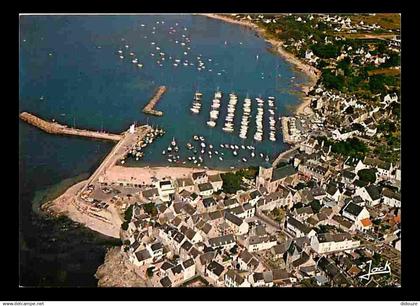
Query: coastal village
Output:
(323,215)
(317,218)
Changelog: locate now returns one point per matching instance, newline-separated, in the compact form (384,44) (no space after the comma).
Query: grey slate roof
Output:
(221,240)
(283,172)
(205,187)
(166,282)
(299,225)
(216,268)
(353,209)
(233,219)
(373,192)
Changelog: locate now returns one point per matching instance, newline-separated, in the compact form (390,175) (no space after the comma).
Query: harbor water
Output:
(71,70)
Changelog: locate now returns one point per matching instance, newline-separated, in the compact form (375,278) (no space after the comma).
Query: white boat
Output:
(163,152)
(121,57)
(120,51)
(235,153)
(140,65)
(211,123)
(173,142)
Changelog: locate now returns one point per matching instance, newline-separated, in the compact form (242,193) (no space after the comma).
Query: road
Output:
(272,223)
(116,153)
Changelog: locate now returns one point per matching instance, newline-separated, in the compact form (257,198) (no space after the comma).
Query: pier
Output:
(117,152)
(149,108)
(286,155)
(57,128)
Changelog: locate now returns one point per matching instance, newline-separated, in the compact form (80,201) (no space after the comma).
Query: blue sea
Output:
(70,70)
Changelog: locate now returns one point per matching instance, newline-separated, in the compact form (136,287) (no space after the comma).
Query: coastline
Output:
(109,223)
(312,73)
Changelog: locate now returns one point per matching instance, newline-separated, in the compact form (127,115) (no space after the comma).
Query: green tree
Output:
(231,182)
(316,206)
(150,209)
(149,272)
(367,175)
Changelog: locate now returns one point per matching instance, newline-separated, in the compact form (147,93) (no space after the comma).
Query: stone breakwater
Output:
(57,128)
(149,108)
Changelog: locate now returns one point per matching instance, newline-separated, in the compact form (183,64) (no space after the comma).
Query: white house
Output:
(165,189)
(205,189)
(239,226)
(355,212)
(225,242)
(141,258)
(215,272)
(233,279)
(370,194)
(298,228)
(259,243)
(216,181)
(384,168)
(391,198)
(189,269)
(326,243)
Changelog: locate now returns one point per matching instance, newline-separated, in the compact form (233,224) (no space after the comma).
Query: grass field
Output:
(385,71)
(388,21)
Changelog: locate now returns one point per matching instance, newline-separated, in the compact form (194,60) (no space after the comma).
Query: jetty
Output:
(149,108)
(286,155)
(57,128)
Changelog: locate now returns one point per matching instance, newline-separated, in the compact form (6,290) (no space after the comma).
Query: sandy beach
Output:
(108,221)
(309,70)
(145,175)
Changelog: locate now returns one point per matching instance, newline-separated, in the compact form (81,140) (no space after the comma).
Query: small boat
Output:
(121,57)
(244,159)
(169,160)
(211,123)
(235,153)
(252,154)
(195,137)
(222,146)
(220,158)
(173,142)
(120,51)
(203,145)
(163,152)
